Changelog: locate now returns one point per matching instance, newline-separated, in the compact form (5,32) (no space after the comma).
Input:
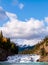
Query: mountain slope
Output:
(40,48)
(25,48)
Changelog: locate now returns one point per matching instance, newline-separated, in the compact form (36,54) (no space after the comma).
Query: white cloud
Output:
(46,20)
(21,5)
(3,16)
(20,29)
(29,32)
(18,4)
(11,15)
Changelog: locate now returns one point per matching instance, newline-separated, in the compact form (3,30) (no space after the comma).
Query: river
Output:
(27,59)
(32,63)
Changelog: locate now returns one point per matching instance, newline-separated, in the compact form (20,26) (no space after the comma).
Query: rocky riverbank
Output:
(43,59)
(3,55)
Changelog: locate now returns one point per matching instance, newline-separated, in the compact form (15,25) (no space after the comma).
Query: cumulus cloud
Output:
(21,5)
(24,32)
(18,4)
(46,20)
(3,16)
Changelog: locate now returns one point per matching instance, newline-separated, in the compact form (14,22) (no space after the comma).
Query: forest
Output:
(7,47)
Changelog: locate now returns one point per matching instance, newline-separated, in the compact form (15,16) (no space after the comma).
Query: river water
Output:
(32,63)
(28,59)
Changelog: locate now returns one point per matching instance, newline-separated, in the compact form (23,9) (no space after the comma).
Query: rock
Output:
(43,59)
(3,55)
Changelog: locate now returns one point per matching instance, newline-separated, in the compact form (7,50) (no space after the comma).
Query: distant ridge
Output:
(38,48)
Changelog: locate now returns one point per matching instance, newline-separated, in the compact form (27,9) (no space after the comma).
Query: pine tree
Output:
(1,35)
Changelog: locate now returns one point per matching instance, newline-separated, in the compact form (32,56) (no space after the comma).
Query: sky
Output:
(24,21)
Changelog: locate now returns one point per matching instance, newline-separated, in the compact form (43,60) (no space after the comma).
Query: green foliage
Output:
(14,48)
(7,45)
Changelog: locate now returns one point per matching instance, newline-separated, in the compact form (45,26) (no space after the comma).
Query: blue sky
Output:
(25,21)
(31,8)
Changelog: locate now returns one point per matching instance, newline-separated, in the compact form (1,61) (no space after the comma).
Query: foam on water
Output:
(22,58)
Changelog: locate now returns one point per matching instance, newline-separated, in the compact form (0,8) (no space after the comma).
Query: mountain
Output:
(40,48)
(22,48)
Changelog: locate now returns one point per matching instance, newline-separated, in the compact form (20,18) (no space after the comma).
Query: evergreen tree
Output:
(1,35)
(42,51)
